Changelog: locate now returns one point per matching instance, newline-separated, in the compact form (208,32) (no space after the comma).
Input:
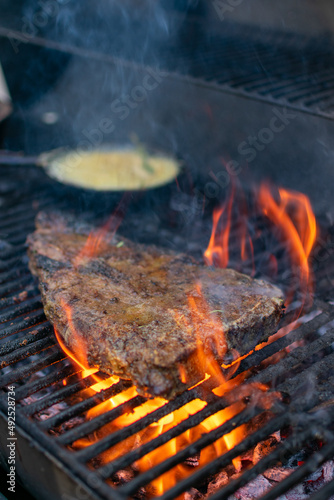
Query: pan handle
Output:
(16,158)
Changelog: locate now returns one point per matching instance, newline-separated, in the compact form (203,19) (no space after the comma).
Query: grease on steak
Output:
(130,305)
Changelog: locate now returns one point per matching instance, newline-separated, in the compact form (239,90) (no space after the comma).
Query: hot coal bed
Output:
(215,117)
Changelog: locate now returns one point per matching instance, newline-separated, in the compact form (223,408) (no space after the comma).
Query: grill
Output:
(48,413)
(274,66)
(222,83)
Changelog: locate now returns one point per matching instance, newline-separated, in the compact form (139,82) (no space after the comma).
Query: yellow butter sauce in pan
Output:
(111,170)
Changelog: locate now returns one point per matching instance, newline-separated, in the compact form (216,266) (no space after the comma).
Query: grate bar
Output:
(184,398)
(59,396)
(300,333)
(19,239)
(10,252)
(23,218)
(96,423)
(284,368)
(105,443)
(15,285)
(212,467)
(43,382)
(289,445)
(84,406)
(11,262)
(318,373)
(28,293)
(324,98)
(207,439)
(321,93)
(19,325)
(33,334)
(29,350)
(105,418)
(14,272)
(19,309)
(326,77)
(86,475)
(17,229)
(45,359)
(110,466)
(25,206)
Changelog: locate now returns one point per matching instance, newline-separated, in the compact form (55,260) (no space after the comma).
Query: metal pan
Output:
(86,184)
(107,169)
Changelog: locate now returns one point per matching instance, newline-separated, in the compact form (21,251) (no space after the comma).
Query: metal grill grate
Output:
(279,67)
(264,64)
(28,349)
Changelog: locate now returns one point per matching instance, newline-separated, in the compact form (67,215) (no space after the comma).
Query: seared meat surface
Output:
(144,313)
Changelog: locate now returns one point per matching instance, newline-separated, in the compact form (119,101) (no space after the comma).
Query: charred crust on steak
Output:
(127,302)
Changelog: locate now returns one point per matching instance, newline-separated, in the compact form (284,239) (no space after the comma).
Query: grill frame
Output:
(70,465)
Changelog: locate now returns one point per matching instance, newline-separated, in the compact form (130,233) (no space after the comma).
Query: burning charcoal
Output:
(218,482)
(140,495)
(51,412)
(320,477)
(296,494)
(123,476)
(315,476)
(277,473)
(277,436)
(193,494)
(328,470)
(193,461)
(295,460)
(247,455)
(255,489)
(263,449)
(70,424)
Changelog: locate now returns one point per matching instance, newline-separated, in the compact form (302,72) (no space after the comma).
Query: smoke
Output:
(113,76)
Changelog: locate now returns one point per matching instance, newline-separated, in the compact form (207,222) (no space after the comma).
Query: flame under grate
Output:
(52,413)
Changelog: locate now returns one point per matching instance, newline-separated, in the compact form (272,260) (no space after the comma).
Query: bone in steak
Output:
(140,311)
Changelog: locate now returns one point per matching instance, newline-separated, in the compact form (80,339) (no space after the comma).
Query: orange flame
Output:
(218,250)
(97,239)
(293,216)
(80,356)
(293,223)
